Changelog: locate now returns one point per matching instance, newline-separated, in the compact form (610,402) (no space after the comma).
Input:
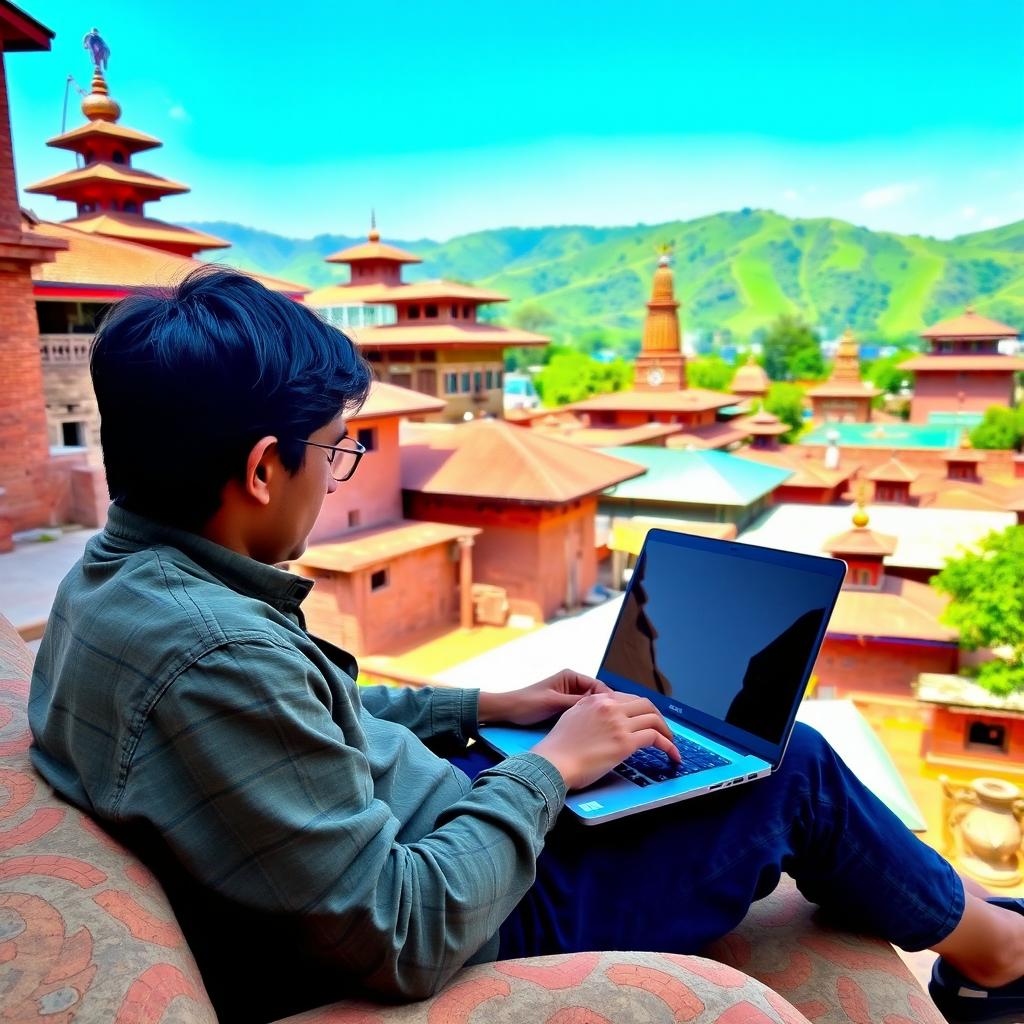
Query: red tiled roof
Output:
(101,171)
(902,609)
(492,459)
(957,363)
(710,437)
(133,227)
(133,141)
(446,335)
(424,291)
(893,471)
(970,325)
(685,400)
(373,250)
(111,263)
(861,541)
(344,294)
(603,437)
(391,400)
(808,473)
(380,544)
(762,424)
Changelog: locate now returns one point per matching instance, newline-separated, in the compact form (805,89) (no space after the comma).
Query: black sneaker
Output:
(961,1000)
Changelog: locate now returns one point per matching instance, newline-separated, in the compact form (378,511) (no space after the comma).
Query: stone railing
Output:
(64,349)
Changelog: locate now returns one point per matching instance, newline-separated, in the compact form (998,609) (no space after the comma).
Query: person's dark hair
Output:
(188,379)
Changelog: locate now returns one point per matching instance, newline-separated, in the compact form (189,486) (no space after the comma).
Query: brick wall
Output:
(870,665)
(972,391)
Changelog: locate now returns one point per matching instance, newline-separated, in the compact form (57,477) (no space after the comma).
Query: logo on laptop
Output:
(591,805)
(675,709)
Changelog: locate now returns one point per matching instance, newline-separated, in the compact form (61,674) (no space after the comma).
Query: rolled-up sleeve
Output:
(431,713)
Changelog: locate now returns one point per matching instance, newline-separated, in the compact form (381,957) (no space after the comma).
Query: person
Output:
(318,839)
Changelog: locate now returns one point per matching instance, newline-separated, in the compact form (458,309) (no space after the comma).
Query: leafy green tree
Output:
(787,402)
(987,606)
(787,337)
(572,376)
(807,363)
(1001,428)
(711,372)
(885,373)
(532,316)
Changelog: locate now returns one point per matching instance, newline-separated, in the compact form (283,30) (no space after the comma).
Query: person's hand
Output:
(601,730)
(537,703)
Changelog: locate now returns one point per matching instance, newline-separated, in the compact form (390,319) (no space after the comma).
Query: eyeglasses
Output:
(342,460)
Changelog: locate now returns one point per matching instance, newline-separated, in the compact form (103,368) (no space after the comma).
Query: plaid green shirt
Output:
(300,824)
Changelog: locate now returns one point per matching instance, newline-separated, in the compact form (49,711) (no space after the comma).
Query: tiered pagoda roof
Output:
(845,381)
(95,268)
(430,314)
(966,343)
(109,192)
(751,380)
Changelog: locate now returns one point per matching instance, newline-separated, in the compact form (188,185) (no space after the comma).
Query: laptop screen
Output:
(727,630)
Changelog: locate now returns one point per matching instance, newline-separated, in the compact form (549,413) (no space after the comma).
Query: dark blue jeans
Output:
(677,878)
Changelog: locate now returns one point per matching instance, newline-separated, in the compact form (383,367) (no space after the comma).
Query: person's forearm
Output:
(493,707)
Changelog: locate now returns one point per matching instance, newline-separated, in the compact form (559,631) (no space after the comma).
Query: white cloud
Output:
(888,195)
(969,213)
(179,113)
(791,194)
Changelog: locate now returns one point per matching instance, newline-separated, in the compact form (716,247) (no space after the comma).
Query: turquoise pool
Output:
(888,435)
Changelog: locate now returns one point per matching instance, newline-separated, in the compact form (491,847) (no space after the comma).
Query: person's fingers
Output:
(644,722)
(653,738)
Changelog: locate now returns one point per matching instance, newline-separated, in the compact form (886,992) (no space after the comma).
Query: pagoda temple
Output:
(844,397)
(884,630)
(110,194)
(426,336)
(965,371)
(660,393)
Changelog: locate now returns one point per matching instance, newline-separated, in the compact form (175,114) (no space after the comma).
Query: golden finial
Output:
(374,235)
(860,517)
(99,105)
(965,441)
(665,254)
(970,310)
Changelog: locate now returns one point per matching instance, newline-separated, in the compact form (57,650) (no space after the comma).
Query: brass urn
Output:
(982,829)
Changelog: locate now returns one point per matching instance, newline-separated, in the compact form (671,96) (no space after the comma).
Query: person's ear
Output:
(260,469)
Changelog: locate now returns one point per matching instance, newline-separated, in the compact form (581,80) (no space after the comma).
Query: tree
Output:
(787,337)
(787,402)
(886,373)
(987,606)
(1001,428)
(572,376)
(532,316)
(711,372)
(807,364)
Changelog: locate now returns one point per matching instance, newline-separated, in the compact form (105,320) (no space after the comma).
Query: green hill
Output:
(735,272)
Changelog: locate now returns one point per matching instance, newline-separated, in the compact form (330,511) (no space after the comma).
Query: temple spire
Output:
(661,365)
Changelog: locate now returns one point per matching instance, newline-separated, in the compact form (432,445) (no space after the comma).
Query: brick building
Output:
(383,580)
(885,630)
(427,335)
(964,372)
(533,499)
(31,485)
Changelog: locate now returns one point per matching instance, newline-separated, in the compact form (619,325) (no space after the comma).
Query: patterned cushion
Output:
(87,935)
(830,976)
(583,988)
(86,932)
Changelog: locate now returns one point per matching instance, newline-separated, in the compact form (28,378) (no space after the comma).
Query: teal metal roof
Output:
(886,435)
(695,477)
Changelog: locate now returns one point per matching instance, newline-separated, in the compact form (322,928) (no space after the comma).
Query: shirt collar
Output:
(283,590)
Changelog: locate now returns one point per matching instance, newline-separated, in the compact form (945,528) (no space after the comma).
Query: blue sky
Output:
(451,117)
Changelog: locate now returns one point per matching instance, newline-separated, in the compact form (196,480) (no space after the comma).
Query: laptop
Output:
(722,637)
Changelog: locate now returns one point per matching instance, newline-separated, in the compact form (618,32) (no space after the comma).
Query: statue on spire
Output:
(93,41)
(665,251)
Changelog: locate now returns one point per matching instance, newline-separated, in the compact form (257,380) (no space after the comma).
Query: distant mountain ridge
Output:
(735,272)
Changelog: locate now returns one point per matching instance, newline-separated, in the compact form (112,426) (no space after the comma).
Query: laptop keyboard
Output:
(649,765)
